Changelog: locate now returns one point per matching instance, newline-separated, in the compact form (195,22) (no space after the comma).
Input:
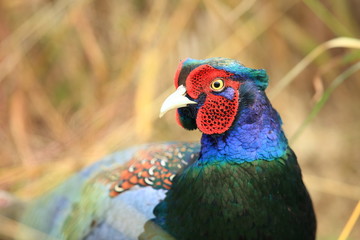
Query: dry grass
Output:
(80,79)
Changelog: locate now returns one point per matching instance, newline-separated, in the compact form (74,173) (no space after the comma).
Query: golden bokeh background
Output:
(82,78)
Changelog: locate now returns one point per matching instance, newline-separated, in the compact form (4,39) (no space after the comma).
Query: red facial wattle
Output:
(218,112)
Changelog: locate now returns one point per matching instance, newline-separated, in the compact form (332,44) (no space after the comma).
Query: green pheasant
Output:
(242,182)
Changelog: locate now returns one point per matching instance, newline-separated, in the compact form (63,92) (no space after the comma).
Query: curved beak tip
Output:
(175,100)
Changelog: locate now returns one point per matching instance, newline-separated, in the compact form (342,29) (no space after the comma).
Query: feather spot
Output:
(184,162)
(151,170)
(131,168)
(148,181)
(163,163)
(172,177)
(118,188)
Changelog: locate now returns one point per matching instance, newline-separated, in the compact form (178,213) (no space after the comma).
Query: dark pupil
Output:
(217,84)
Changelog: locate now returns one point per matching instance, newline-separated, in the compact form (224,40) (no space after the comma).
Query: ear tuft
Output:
(260,78)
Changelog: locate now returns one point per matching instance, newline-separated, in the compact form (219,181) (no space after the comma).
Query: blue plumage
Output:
(256,134)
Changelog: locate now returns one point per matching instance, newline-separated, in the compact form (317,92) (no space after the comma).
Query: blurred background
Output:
(82,78)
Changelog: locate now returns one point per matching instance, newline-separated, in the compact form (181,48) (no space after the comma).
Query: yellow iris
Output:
(217,85)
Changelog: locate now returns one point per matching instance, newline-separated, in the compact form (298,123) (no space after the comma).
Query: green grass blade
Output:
(328,18)
(319,105)
(341,42)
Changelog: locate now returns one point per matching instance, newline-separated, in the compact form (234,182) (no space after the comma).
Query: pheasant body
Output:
(242,182)
(263,204)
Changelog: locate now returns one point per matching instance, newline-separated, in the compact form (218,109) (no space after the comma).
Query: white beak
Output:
(176,100)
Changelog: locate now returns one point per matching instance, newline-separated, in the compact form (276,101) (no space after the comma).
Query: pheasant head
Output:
(208,95)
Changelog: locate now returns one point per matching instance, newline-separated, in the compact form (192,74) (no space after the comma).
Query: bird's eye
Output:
(217,85)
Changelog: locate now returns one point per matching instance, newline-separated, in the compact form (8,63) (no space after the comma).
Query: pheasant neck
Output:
(255,134)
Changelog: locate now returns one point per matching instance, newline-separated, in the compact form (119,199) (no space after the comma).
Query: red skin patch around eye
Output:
(217,113)
(200,78)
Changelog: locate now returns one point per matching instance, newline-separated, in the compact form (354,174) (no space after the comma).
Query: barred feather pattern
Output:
(155,167)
